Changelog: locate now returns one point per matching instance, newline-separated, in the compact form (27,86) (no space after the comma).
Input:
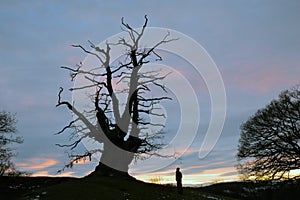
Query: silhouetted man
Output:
(178,180)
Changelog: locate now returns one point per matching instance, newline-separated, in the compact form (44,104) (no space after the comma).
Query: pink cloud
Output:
(261,80)
(37,164)
(27,101)
(46,173)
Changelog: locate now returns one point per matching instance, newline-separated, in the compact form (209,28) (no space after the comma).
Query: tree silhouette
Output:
(121,134)
(8,138)
(269,147)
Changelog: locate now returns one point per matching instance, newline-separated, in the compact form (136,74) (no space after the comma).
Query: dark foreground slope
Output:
(259,190)
(93,188)
(131,189)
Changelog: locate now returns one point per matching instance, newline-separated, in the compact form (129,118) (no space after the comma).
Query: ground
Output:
(131,189)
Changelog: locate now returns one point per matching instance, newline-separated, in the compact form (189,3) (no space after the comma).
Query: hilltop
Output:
(131,189)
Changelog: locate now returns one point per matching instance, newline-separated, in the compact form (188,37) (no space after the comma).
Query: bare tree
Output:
(269,147)
(122,134)
(7,139)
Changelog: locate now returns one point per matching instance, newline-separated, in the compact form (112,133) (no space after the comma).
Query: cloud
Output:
(213,175)
(37,164)
(205,176)
(230,173)
(50,167)
(46,173)
(217,166)
(257,53)
(262,76)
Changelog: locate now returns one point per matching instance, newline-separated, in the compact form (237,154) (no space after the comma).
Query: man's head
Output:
(177,169)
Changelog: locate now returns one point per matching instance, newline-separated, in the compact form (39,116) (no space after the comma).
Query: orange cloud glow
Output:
(46,173)
(37,164)
(203,177)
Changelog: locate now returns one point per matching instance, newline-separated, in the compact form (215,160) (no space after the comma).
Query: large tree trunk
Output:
(114,161)
(117,155)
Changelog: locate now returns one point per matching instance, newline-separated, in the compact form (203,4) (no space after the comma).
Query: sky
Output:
(255,45)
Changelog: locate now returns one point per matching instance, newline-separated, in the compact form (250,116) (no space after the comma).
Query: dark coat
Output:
(178,176)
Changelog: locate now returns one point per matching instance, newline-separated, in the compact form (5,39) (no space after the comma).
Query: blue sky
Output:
(255,45)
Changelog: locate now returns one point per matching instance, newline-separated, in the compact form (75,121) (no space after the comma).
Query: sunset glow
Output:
(46,173)
(254,46)
(37,164)
(205,177)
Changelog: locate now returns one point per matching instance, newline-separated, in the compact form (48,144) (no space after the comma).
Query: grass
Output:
(94,188)
(258,190)
(117,188)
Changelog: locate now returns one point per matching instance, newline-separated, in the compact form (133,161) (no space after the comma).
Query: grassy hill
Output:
(93,188)
(261,190)
(131,189)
